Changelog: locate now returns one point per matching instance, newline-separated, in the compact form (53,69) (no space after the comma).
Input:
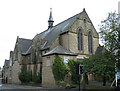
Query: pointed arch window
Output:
(90,43)
(80,41)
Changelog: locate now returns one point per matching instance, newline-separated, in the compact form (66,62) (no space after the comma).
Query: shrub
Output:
(59,69)
(37,78)
(25,76)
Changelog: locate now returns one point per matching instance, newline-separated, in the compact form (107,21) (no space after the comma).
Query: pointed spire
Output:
(50,17)
(50,21)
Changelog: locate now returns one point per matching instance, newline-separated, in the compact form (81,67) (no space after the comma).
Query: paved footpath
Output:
(13,87)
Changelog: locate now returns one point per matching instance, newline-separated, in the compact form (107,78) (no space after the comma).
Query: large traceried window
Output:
(90,43)
(80,41)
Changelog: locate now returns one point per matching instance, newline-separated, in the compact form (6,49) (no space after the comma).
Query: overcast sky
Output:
(26,18)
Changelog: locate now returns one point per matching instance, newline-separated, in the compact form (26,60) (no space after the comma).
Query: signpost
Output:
(117,78)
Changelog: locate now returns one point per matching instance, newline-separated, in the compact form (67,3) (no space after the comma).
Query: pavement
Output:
(4,87)
(99,83)
(15,87)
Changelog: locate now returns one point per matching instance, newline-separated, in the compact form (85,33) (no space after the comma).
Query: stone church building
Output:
(73,38)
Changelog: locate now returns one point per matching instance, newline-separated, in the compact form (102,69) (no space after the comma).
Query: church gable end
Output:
(78,35)
(83,22)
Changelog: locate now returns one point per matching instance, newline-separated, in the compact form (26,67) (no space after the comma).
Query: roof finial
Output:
(83,9)
(50,21)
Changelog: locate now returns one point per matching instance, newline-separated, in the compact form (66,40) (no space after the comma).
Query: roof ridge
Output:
(61,22)
(25,39)
(68,19)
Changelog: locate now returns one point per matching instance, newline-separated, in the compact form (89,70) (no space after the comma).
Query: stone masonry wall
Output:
(64,40)
(15,71)
(95,44)
(55,43)
(47,75)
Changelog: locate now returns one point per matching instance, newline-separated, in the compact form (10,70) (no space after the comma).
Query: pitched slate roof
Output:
(25,45)
(60,50)
(52,33)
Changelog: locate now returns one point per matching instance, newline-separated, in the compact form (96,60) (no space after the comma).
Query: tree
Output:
(101,65)
(72,66)
(59,69)
(110,35)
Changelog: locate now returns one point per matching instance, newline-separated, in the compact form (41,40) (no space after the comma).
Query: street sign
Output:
(118,75)
(117,70)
